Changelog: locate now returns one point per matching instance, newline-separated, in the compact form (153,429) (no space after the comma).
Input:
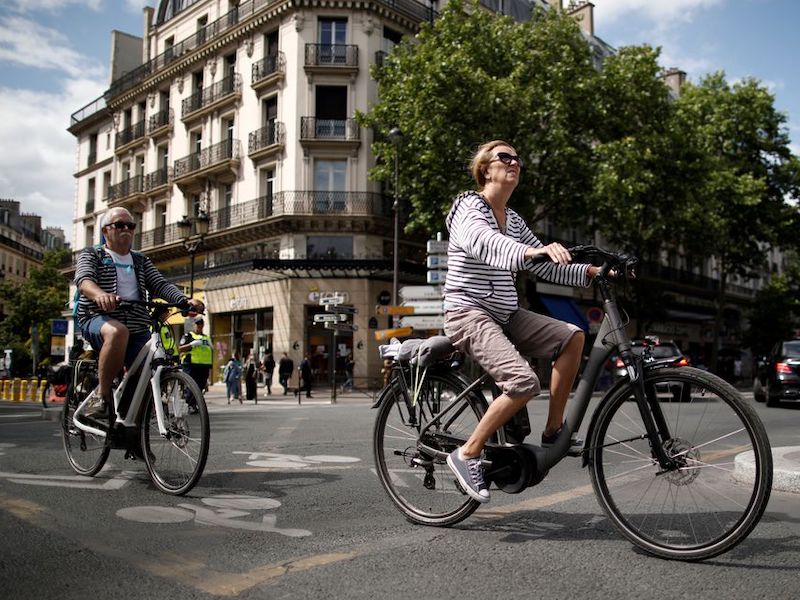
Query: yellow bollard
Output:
(4,387)
(40,390)
(16,386)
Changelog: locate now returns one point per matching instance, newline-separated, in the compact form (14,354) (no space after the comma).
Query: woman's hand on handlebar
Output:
(554,252)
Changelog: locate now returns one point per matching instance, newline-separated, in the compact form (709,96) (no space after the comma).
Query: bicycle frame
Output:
(151,355)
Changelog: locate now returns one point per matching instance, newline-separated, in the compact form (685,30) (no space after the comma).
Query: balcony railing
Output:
(91,109)
(89,207)
(269,65)
(129,134)
(337,55)
(126,187)
(157,178)
(209,95)
(272,134)
(163,118)
(312,128)
(222,151)
(158,236)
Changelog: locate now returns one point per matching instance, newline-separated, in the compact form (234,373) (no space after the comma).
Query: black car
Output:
(778,375)
(659,351)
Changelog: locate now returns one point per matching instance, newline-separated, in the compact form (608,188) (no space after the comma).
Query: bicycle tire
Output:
(710,503)
(176,463)
(46,390)
(86,452)
(427,495)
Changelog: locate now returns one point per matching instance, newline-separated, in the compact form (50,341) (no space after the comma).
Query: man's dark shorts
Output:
(91,333)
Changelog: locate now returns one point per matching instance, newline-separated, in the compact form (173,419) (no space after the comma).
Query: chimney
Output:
(674,78)
(148,24)
(584,15)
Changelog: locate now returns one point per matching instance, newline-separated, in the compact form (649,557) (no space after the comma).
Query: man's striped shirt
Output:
(482,260)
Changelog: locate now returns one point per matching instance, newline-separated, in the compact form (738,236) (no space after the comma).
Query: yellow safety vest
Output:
(167,340)
(200,355)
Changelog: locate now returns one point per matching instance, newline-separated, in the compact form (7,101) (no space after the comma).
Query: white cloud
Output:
(30,44)
(39,172)
(662,13)
(54,5)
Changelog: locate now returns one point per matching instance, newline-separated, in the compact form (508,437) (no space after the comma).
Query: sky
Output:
(54,59)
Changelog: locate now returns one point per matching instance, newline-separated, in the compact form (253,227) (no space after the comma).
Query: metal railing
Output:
(126,187)
(94,107)
(222,151)
(337,55)
(267,66)
(162,118)
(157,178)
(129,134)
(312,128)
(156,237)
(209,95)
(274,133)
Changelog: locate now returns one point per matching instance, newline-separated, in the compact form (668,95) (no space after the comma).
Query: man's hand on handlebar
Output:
(197,306)
(106,301)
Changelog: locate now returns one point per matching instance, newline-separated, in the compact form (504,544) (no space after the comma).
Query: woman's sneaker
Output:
(470,475)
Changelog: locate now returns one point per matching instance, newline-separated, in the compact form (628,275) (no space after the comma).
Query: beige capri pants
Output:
(501,350)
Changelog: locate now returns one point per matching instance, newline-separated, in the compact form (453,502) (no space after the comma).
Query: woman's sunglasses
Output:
(507,159)
(123,225)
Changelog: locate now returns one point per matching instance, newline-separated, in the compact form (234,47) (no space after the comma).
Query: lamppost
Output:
(396,137)
(193,230)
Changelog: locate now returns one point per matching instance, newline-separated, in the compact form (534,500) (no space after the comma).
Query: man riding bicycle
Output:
(107,274)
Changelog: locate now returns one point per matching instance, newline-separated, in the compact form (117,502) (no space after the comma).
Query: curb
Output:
(785,468)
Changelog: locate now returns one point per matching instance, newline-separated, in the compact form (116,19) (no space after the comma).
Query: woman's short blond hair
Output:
(481,158)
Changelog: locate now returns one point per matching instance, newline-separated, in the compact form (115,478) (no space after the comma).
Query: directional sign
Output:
(437,277)
(329,318)
(423,322)
(426,307)
(331,300)
(341,326)
(437,246)
(341,309)
(437,262)
(385,334)
(394,310)
(420,292)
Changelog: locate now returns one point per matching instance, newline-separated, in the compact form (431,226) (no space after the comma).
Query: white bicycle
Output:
(159,415)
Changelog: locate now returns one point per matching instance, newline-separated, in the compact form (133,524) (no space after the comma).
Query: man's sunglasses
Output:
(507,159)
(122,225)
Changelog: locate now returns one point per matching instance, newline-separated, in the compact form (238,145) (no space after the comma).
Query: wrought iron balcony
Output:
(129,135)
(266,141)
(312,128)
(268,71)
(216,158)
(211,97)
(336,56)
(157,179)
(89,208)
(162,120)
(126,188)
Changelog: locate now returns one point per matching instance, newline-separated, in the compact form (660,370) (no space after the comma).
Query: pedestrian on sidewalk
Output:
(305,373)
(285,370)
(232,375)
(250,375)
(269,368)
(349,364)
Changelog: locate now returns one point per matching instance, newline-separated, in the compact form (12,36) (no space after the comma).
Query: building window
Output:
(329,247)
(332,40)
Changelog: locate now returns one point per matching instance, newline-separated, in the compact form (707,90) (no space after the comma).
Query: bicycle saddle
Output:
(424,353)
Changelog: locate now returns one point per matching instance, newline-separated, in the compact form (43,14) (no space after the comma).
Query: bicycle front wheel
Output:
(720,485)
(420,485)
(86,452)
(175,461)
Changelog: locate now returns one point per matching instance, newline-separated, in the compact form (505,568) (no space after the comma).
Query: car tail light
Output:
(618,363)
(782,368)
(682,362)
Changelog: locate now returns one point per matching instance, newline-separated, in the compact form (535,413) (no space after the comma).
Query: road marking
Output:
(274,460)
(71,481)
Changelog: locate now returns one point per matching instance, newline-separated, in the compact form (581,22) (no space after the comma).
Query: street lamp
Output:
(193,230)
(396,137)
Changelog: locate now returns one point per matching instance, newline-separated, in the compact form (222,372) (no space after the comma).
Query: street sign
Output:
(341,326)
(59,327)
(420,292)
(385,334)
(329,318)
(394,310)
(426,307)
(437,262)
(437,246)
(341,309)
(423,322)
(437,277)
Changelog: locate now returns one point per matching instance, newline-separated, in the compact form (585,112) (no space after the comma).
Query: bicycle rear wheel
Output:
(722,482)
(86,452)
(176,461)
(420,485)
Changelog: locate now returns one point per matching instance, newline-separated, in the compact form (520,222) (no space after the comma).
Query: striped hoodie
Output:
(482,260)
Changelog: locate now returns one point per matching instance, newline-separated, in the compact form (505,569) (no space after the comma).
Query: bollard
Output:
(16,390)
(41,389)
(5,390)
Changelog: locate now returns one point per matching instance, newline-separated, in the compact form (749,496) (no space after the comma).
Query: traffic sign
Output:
(426,307)
(385,334)
(329,318)
(341,326)
(341,309)
(423,322)
(394,310)
(420,292)
(437,277)
(437,246)
(437,262)
(331,300)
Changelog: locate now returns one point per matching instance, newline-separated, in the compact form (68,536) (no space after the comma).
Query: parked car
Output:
(778,374)
(666,351)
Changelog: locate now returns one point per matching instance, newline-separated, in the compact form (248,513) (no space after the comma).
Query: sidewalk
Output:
(216,398)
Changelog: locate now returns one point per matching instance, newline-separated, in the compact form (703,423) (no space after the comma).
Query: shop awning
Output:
(565,309)
(341,268)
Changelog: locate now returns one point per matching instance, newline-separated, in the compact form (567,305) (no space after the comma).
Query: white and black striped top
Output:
(95,264)
(482,260)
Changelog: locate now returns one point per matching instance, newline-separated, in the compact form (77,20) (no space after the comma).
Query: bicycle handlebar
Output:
(622,263)
(184,307)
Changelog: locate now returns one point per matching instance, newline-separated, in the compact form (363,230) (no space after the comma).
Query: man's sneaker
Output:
(575,444)
(95,407)
(470,475)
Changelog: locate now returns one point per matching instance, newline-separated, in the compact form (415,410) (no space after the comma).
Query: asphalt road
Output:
(290,507)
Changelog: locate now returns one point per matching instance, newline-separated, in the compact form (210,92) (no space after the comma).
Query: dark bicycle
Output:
(680,463)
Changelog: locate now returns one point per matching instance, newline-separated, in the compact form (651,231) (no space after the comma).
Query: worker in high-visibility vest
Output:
(196,355)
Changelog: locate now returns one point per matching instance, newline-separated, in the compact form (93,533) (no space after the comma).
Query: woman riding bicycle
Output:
(489,242)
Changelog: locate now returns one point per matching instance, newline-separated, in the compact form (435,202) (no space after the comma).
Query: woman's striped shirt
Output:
(482,260)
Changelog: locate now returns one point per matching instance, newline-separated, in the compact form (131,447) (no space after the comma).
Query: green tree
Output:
(474,76)
(775,314)
(749,181)
(34,301)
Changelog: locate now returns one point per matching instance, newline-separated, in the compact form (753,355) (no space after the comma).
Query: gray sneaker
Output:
(470,475)
(96,406)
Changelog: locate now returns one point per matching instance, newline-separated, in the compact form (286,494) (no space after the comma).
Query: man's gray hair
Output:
(104,222)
